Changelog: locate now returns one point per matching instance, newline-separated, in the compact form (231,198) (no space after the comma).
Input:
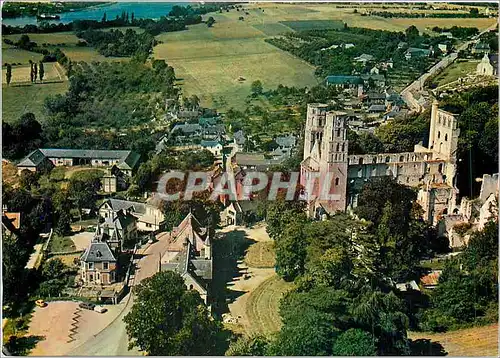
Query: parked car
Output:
(87,306)
(41,303)
(100,309)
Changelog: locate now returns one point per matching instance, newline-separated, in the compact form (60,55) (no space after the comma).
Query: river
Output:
(141,10)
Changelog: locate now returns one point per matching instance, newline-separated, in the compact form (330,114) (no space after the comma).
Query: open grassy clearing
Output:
(472,342)
(262,306)
(209,61)
(19,99)
(261,254)
(55,38)
(456,71)
(14,55)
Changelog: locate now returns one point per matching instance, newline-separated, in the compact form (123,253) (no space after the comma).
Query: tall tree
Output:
(210,21)
(168,319)
(35,71)
(103,20)
(31,71)
(41,71)
(8,73)
(256,88)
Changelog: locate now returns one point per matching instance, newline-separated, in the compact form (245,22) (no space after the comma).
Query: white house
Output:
(213,146)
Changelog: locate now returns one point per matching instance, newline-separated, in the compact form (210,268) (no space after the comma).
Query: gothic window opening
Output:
(337,181)
(360,161)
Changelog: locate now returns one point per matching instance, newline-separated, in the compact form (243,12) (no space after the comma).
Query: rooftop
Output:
(98,252)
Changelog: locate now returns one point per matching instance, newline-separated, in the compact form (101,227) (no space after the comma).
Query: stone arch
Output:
(401,158)
(360,161)
(387,159)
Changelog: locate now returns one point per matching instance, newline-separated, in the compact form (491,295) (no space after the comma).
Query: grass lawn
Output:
(469,342)
(263,305)
(20,99)
(61,244)
(261,254)
(14,55)
(455,71)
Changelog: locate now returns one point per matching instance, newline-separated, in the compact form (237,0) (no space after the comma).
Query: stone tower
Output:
(325,153)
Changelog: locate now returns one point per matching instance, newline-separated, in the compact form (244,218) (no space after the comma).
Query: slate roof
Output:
(98,252)
(85,153)
(364,57)
(377,108)
(414,51)
(288,141)
(33,159)
(209,121)
(341,79)
(130,162)
(239,137)
(482,46)
(118,204)
(210,143)
(187,128)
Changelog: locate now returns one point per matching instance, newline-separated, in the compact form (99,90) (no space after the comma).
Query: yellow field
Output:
(21,74)
(469,342)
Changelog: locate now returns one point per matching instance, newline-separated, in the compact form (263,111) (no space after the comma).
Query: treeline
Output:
(178,18)
(458,32)
(119,44)
(17,9)
(474,13)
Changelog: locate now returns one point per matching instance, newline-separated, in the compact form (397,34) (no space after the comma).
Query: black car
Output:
(87,306)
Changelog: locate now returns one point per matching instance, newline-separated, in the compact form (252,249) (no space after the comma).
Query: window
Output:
(337,181)
(387,159)
(360,161)
(105,266)
(439,134)
(91,278)
(97,276)
(91,265)
(374,161)
(446,137)
(148,225)
(338,147)
(401,158)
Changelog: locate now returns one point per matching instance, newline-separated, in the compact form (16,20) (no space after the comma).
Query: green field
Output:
(456,71)
(210,61)
(17,100)
(303,25)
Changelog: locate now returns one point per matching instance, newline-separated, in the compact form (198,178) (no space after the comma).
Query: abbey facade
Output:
(431,169)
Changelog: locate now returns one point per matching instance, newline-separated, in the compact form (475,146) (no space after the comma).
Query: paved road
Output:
(418,84)
(113,340)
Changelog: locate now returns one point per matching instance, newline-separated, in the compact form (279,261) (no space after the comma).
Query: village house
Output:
(149,217)
(239,140)
(488,66)
(414,52)
(98,264)
(189,253)
(481,47)
(125,160)
(253,161)
(364,58)
(213,146)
